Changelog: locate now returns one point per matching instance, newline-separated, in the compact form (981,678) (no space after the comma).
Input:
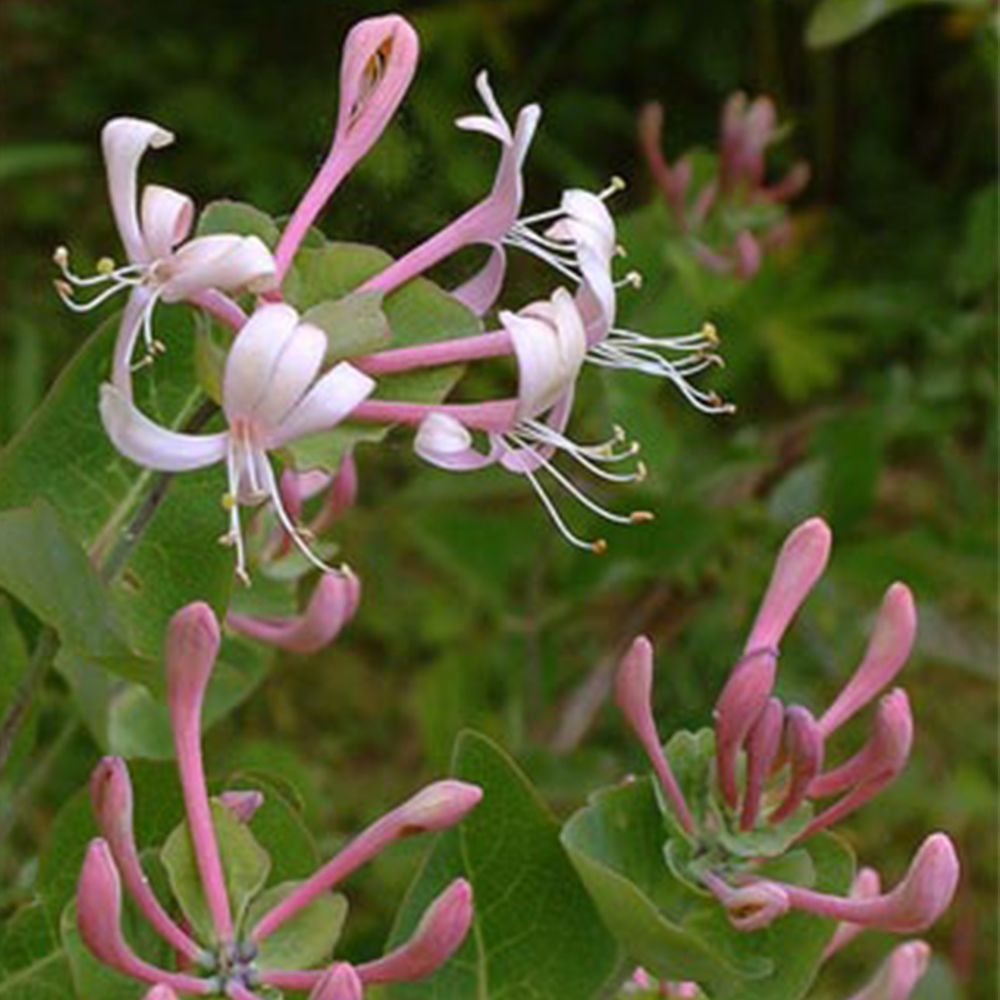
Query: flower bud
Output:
(339,982)
(887,652)
(243,805)
(866,885)
(438,936)
(900,973)
(749,907)
(191,648)
(436,807)
(762,749)
(804,750)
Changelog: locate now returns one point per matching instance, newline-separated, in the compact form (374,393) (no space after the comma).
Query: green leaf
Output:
(535,932)
(308,938)
(245,866)
(836,21)
(33,965)
(43,566)
(616,843)
(63,456)
(239,219)
(418,313)
(14,660)
(353,325)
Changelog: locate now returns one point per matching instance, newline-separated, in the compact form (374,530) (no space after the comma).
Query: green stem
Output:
(17,710)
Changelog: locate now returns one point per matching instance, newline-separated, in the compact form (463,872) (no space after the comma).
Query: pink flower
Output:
(227,965)
(161,265)
(272,393)
(900,974)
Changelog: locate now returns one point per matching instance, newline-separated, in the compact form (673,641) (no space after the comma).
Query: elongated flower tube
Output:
(804,749)
(272,394)
(332,604)
(191,648)
(99,919)
(549,344)
(111,800)
(634,695)
(161,265)
(379,60)
(900,974)
(485,223)
(916,902)
(866,885)
(437,807)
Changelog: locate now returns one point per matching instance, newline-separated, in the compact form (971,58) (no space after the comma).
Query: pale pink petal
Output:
(229,263)
(167,216)
(480,291)
(294,371)
(447,443)
(900,973)
(149,444)
(326,404)
(253,356)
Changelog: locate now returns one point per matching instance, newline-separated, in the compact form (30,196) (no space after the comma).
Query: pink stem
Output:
(446,352)
(496,415)
(221,307)
(285,980)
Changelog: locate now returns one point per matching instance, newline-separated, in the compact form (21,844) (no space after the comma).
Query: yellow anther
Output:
(105,265)
(641,472)
(228,502)
(599,547)
(620,251)
(617,183)
(158,347)
(641,516)
(710,333)
(634,278)
(243,576)
(64,288)
(61,256)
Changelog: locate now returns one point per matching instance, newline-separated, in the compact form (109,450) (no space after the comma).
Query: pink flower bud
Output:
(739,706)
(748,254)
(111,800)
(634,693)
(438,936)
(243,805)
(804,749)
(436,807)
(333,603)
(762,749)
(866,885)
(749,907)
(161,992)
(887,652)
(900,974)
(800,564)
(341,496)
(99,916)
(912,906)
(339,982)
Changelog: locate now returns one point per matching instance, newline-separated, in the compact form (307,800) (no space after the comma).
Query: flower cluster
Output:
(735,217)
(275,388)
(770,784)
(232,963)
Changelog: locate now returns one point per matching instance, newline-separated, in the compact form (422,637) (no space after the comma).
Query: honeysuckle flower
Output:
(866,885)
(549,344)
(379,60)
(272,393)
(769,761)
(340,489)
(900,974)
(229,965)
(332,604)
(739,245)
(488,222)
(163,264)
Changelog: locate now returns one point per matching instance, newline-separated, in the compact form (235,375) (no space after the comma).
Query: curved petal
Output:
(445,442)
(167,217)
(328,402)
(483,288)
(147,443)
(294,371)
(128,333)
(253,356)
(224,262)
(124,141)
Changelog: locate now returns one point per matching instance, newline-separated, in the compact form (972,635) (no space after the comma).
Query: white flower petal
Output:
(447,443)
(294,371)
(128,333)
(326,404)
(253,356)
(147,443)
(225,262)
(124,141)
(167,216)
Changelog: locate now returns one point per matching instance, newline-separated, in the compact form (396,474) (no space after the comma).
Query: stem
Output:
(17,710)
(445,352)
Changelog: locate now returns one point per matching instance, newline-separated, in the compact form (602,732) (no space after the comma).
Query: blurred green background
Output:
(862,358)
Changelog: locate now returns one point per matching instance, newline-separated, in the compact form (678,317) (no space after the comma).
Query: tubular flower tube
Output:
(437,807)
(339,982)
(900,973)
(549,344)
(916,902)
(161,265)
(634,694)
(99,917)
(762,746)
(866,885)
(379,61)
(272,393)
(111,801)
(333,603)
(191,647)
(804,749)
(485,223)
